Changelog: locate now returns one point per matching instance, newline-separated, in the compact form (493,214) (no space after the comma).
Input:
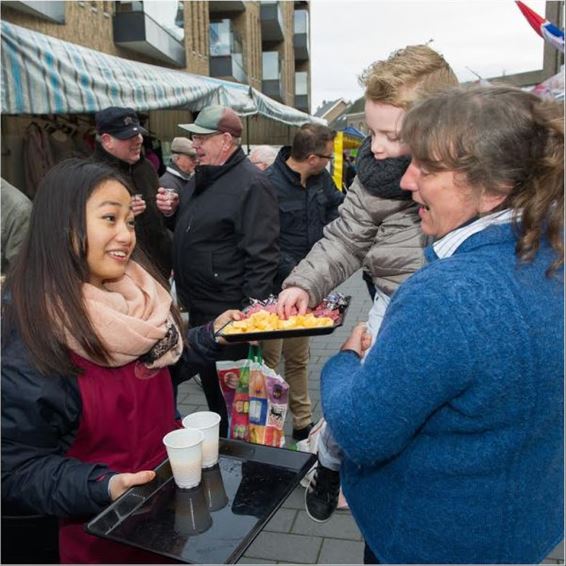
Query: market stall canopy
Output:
(45,75)
(349,138)
(354,133)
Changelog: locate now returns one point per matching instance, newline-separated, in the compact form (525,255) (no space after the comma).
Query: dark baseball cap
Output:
(121,123)
(213,119)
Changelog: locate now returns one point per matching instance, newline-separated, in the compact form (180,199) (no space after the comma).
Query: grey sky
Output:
(491,37)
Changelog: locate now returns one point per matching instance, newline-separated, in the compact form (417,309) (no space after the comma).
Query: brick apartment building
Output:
(265,45)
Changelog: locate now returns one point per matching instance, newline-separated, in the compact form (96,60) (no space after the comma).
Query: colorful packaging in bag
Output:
(258,405)
(278,396)
(241,406)
(256,400)
(268,407)
(228,377)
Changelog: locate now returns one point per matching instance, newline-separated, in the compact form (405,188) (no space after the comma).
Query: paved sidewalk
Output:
(290,536)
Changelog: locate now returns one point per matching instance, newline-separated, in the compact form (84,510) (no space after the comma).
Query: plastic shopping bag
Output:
(256,399)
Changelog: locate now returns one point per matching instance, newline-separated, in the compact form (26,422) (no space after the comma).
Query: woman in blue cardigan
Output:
(452,429)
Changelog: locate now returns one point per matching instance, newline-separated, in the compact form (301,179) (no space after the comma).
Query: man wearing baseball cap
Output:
(225,248)
(119,143)
(182,166)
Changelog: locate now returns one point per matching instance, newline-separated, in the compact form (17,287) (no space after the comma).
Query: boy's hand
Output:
(291,301)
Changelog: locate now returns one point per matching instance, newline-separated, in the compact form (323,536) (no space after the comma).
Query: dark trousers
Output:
(369,283)
(209,377)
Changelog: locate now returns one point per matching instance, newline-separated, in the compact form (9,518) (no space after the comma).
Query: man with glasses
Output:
(308,200)
(225,248)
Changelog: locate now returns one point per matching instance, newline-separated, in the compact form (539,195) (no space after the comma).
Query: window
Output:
(301,83)
(301,21)
(271,66)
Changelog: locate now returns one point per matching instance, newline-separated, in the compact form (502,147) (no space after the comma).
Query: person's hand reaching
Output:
(292,301)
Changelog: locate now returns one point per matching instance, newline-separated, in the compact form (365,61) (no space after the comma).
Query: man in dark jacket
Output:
(119,143)
(182,166)
(308,200)
(225,247)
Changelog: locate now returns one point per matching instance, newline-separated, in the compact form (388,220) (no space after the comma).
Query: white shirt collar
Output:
(447,245)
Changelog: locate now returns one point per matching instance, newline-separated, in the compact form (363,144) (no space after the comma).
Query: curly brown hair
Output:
(503,141)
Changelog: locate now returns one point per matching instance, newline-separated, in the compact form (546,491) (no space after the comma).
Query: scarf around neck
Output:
(132,318)
(381,177)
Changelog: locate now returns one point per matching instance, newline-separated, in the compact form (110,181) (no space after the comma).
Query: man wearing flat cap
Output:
(119,143)
(225,247)
(182,166)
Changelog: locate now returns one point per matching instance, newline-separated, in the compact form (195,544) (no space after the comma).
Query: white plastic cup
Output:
(184,448)
(170,193)
(209,424)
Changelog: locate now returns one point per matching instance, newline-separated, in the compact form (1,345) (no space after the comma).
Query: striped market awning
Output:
(45,75)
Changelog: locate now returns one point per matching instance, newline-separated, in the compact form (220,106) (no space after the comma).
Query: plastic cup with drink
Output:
(184,449)
(208,423)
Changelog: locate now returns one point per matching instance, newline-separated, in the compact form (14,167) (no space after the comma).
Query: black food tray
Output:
(292,333)
(215,522)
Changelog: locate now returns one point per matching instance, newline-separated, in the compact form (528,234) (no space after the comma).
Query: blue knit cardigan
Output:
(453,428)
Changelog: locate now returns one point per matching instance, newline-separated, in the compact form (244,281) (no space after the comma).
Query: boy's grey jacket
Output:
(380,234)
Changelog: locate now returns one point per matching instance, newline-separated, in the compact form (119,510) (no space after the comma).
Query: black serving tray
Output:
(292,333)
(215,522)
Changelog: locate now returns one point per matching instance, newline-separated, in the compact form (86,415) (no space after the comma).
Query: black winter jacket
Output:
(225,244)
(40,420)
(151,234)
(303,212)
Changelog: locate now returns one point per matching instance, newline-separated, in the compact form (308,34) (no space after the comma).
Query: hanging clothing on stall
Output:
(38,157)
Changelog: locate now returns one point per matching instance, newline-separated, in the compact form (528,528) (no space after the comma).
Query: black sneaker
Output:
(321,496)
(302,433)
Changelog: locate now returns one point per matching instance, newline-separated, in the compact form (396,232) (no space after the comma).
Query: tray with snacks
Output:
(262,323)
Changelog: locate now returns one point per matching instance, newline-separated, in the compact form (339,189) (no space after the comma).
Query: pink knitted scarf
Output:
(132,319)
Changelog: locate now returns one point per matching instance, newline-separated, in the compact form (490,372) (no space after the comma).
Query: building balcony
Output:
(302,89)
(273,89)
(301,41)
(233,7)
(228,67)
(302,103)
(139,32)
(301,45)
(226,54)
(271,22)
(271,83)
(50,11)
